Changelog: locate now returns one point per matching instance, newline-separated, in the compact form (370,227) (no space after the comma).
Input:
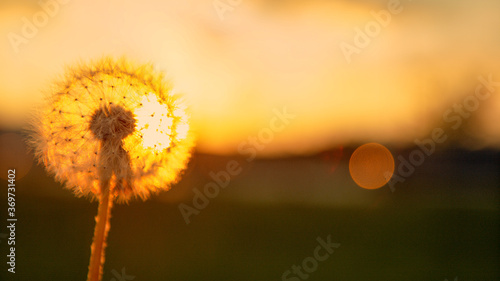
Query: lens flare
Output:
(371,166)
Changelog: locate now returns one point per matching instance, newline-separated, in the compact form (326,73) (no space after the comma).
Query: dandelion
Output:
(113,131)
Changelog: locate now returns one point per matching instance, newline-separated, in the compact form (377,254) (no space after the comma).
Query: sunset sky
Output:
(239,66)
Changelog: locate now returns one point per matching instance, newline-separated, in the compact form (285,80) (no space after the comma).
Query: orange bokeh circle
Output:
(371,166)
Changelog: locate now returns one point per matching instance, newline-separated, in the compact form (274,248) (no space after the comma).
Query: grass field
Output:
(441,223)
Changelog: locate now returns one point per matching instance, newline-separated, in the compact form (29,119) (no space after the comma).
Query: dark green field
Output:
(441,223)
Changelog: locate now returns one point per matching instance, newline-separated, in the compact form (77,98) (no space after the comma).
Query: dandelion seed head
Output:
(113,120)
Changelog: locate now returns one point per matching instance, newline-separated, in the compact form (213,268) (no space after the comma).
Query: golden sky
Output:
(238,67)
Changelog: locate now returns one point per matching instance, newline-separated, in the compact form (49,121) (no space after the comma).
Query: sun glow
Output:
(154,123)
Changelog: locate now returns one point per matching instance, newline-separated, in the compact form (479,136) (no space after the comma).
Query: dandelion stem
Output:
(100,233)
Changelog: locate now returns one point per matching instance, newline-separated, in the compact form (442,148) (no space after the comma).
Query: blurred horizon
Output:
(442,222)
(271,180)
